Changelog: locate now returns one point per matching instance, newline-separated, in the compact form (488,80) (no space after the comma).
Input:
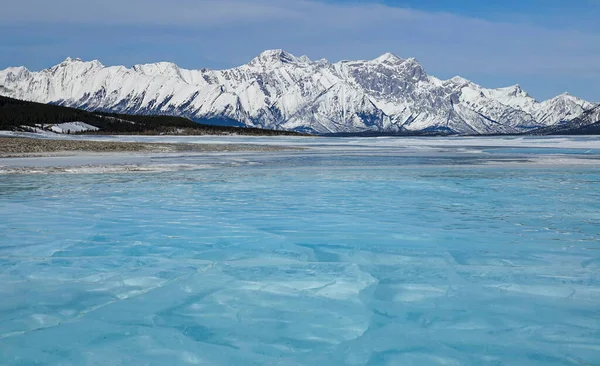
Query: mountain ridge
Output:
(278,90)
(587,123)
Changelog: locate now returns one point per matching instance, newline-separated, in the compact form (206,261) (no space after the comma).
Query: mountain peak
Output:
(459,80)
(569,98)
(163,68)
(388,57)
(517,91)
(13,74)
(275,52)
(70,60)
(76,64)
(277,56)
(305,59)
(565,96)
(160,64)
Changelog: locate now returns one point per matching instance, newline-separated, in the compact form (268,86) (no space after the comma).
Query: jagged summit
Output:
(15,69)
(516,90)
(279,90)
(270,57)
(388,58)
(566,96)
(75,62)
(158,68)
(459,80)
(304,59)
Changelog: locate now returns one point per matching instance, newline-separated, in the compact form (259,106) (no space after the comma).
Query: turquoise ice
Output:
(333,258)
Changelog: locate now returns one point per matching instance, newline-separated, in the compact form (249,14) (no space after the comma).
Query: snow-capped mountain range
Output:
(278,90)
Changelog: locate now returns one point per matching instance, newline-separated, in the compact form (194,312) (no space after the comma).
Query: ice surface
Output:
(364,255)
(559,142)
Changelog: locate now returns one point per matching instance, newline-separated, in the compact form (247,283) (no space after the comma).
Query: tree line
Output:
(18,115)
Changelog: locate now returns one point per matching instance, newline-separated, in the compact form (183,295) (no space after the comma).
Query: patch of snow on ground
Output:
(73,127)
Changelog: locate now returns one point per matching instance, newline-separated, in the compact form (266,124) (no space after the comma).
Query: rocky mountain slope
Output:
(587,123)
(277,90)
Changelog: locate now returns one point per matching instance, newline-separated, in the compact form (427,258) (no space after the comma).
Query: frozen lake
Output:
(375,251)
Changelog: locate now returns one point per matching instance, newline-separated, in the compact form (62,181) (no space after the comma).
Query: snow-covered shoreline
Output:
(11,147)
(134,154)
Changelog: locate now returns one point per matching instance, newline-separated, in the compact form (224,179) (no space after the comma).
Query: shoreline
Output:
(24,147)
(25,155)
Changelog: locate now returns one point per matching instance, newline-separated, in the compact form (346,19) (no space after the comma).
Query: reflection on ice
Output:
(303,259)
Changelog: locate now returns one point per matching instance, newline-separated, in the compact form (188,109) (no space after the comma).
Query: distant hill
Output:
(19,115)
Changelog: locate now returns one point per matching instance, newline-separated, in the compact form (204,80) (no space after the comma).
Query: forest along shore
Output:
(14,147)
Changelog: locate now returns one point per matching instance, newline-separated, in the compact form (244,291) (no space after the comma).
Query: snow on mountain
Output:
(278,90)
(561,108)
(587,123)
(591,116)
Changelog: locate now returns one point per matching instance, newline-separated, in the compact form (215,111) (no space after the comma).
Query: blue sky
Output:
(547,47)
